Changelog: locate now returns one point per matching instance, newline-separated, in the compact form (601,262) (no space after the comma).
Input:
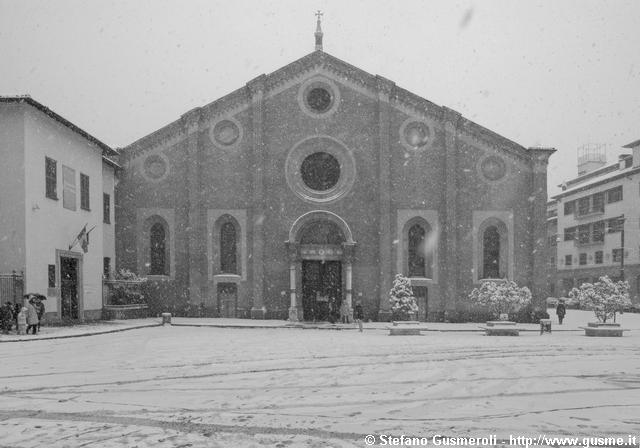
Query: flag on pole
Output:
(83,239)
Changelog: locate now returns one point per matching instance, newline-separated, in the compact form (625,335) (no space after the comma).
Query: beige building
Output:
(598,221)
(55,179)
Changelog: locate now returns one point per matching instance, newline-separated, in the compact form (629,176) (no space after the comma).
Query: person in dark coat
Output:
(358,314)
(39,306)
(16,310)
(6,317)
(561,311)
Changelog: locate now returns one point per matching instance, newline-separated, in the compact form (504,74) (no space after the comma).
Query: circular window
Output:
(320,171)
(318,97)
(226,133)
(415,135)
(155,167)
(493,168)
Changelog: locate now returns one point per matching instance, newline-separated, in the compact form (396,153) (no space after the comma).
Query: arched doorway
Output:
(320,253)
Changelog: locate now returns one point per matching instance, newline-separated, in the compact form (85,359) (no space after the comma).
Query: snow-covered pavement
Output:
(286,387)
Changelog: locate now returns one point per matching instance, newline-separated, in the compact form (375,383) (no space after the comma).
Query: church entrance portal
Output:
(321,253)
(321,290)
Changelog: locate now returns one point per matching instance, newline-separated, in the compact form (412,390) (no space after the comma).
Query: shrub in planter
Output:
(605,298)
(501,297)
(125,288)
(403,303)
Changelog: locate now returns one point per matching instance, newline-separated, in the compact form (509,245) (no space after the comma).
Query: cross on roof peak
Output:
(319,15)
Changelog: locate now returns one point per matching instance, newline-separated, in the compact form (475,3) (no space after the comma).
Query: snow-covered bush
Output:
(125,288)
(401,297)
(126,274)
(501,297)
(604,297)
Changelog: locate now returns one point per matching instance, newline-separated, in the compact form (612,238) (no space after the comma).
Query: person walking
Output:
(358,314)
(39,306)
(32,317)
(16,310)
(561,311)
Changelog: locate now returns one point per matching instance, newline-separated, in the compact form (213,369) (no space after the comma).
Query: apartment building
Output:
(597,222)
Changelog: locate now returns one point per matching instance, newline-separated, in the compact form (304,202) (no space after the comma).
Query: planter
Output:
(405,328)
(119,312)
(600,329)
(501,328)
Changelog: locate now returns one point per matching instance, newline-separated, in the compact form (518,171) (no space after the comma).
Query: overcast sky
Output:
(552,73)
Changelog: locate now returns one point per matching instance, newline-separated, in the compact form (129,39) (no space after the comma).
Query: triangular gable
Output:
(344,73)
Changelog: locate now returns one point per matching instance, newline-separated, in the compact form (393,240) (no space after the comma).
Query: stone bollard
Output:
(166,318)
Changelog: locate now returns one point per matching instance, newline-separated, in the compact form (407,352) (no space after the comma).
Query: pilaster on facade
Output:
(450,280)
(256,89)
(385,88)
(538,223)
(195,229)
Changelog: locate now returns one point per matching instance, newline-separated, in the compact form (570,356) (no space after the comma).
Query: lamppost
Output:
(622,247)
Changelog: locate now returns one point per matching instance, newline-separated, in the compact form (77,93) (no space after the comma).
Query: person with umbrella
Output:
(39,306)
(32,314)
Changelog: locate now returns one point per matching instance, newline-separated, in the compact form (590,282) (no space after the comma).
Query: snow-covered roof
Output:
(606,176)
(108,153)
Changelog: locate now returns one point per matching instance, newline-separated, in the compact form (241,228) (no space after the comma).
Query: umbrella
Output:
(36,296)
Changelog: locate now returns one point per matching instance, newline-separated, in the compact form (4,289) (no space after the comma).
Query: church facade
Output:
(309,188)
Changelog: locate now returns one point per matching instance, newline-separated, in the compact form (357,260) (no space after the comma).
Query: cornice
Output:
(480,134)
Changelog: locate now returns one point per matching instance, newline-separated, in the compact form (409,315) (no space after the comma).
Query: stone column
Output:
(292,250)
(195,233)
(256,92)
(449,279)
(538,225)
(349,252)
(385,88)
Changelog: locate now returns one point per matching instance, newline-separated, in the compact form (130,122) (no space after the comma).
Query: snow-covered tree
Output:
(401,296)
(605,298)
(501,297)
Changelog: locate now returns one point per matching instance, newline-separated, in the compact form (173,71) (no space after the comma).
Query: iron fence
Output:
(11,287)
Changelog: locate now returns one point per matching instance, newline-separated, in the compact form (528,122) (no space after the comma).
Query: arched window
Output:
(416,249)
(491,253)
(158,250)
(228,248)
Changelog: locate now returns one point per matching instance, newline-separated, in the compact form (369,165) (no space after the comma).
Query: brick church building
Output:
(311,187)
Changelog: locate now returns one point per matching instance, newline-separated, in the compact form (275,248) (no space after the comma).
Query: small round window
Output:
(226,132)
(416,134)
(319,99)
(155,167)
(493,168)
(320,171)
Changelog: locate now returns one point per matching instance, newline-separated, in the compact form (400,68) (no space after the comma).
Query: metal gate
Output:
(11,287)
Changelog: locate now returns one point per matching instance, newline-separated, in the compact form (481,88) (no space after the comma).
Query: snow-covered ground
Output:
(287,387)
